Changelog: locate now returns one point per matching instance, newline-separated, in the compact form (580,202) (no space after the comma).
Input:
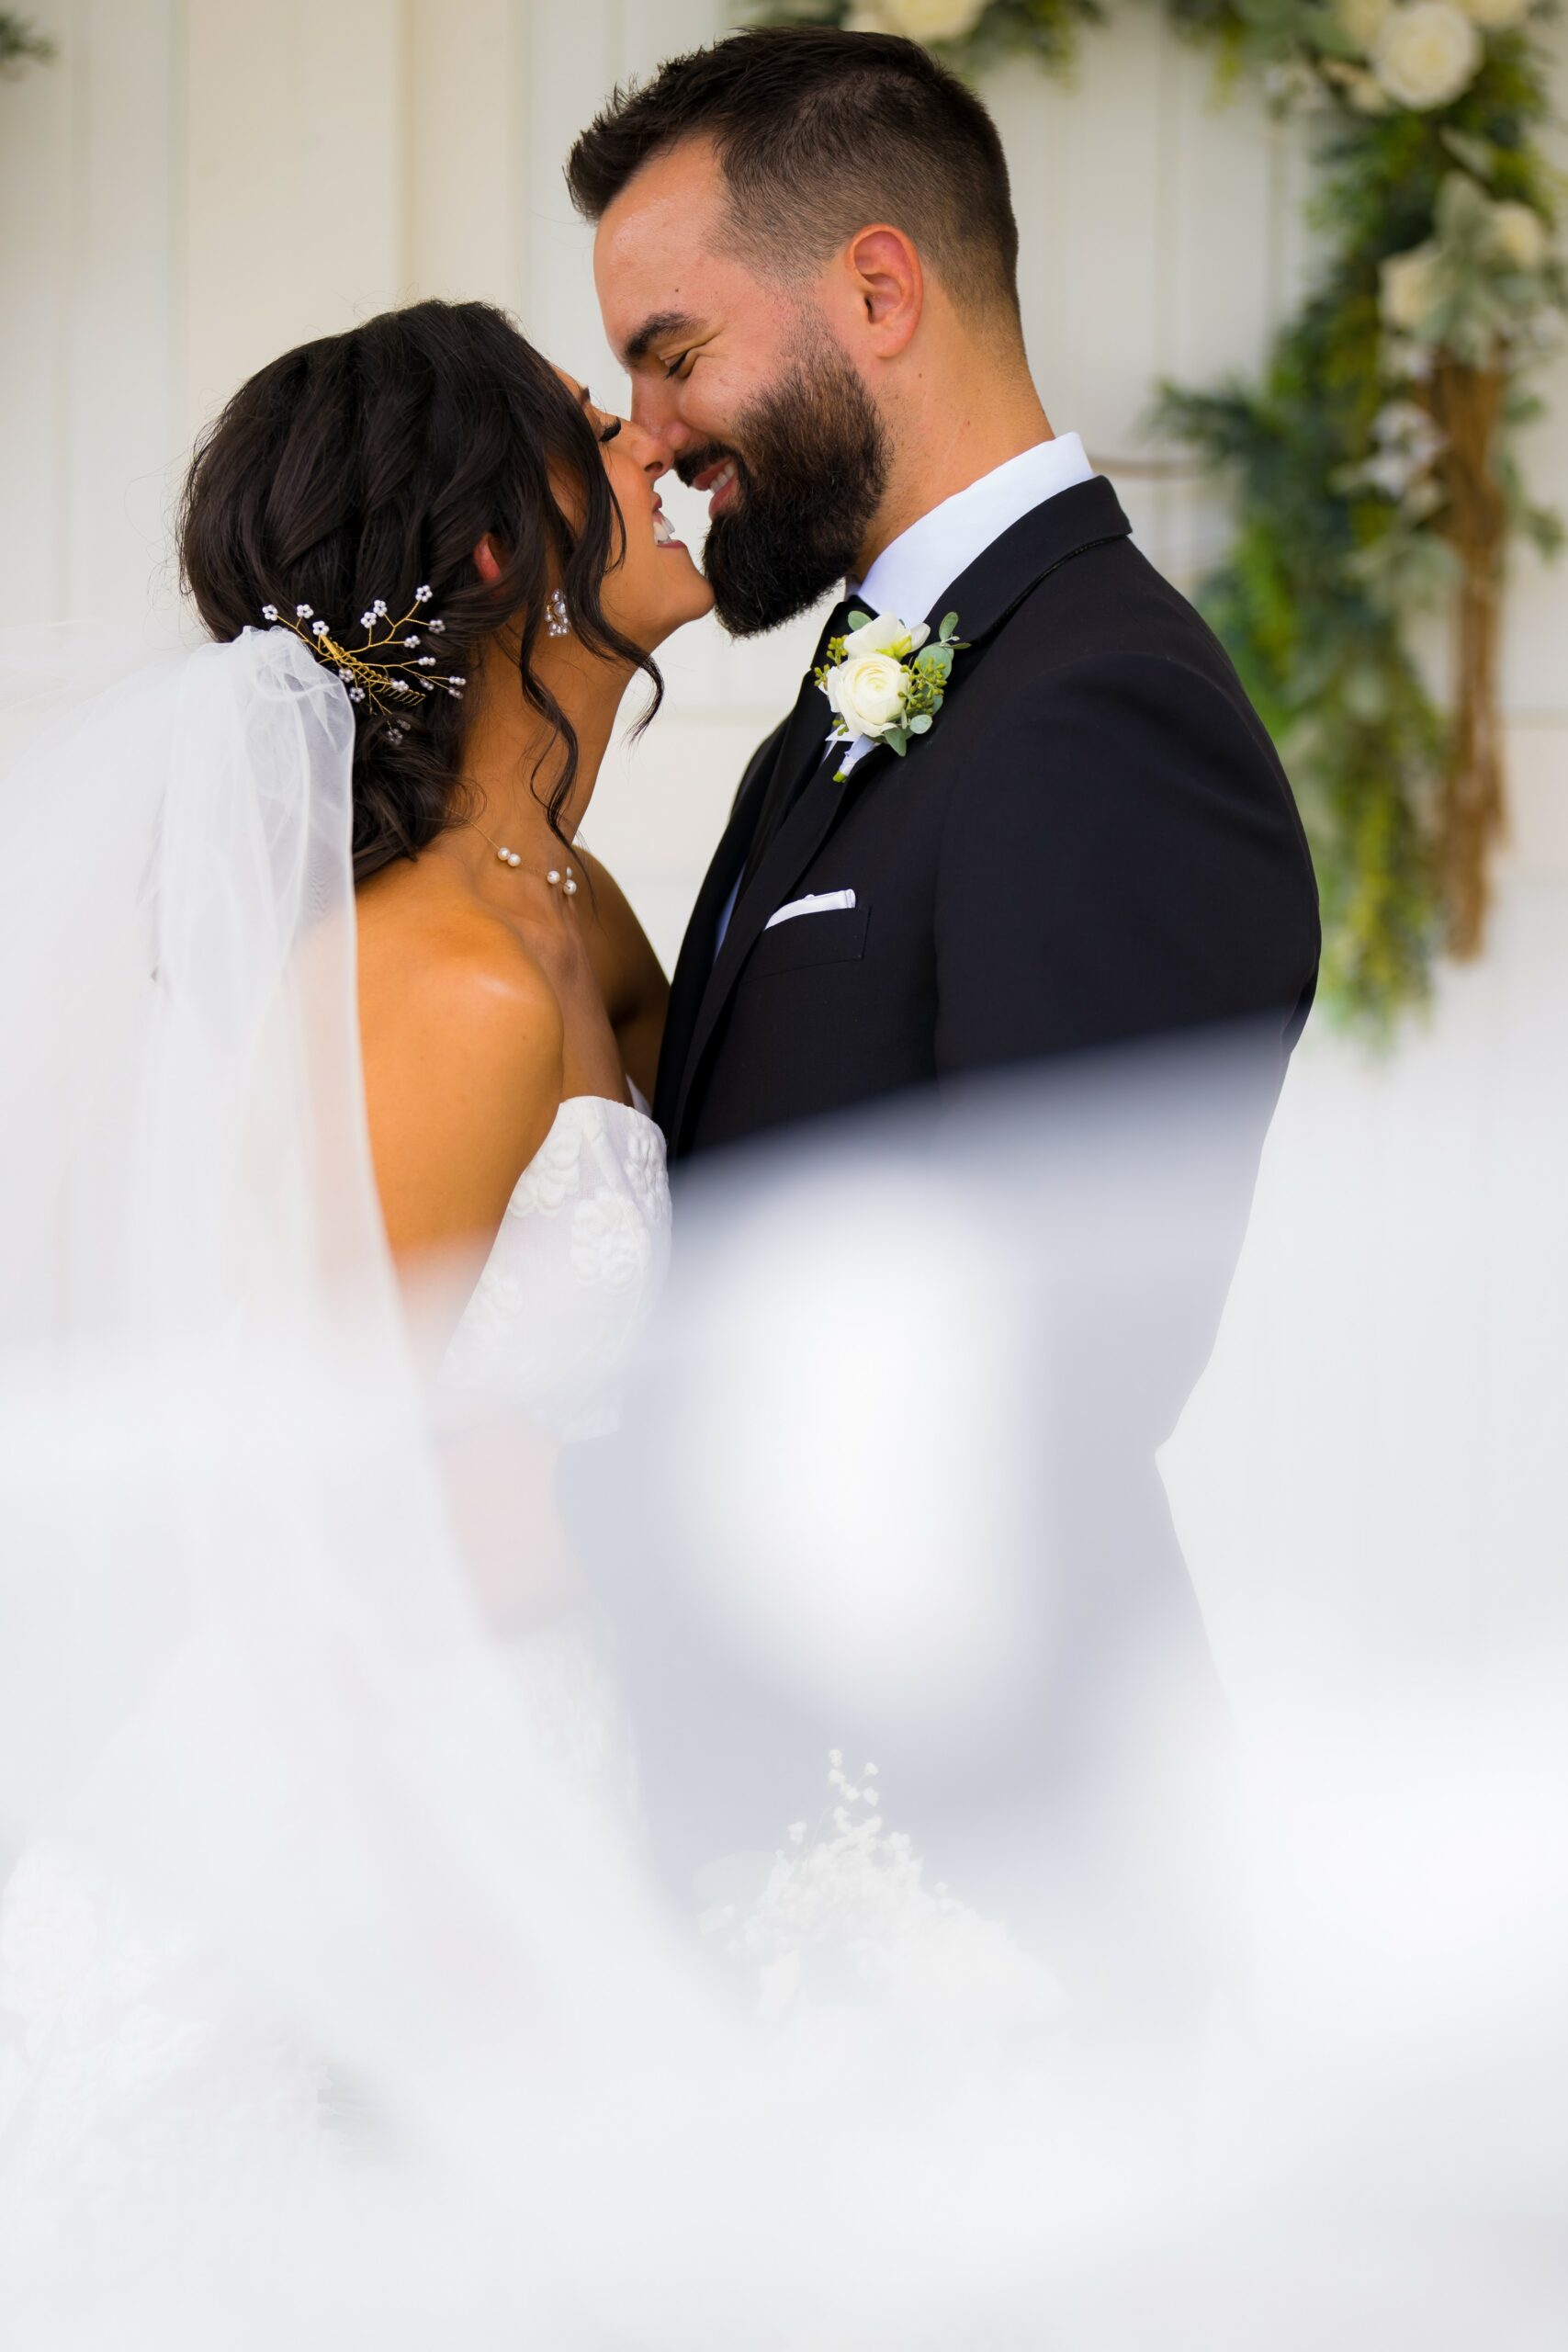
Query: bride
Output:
(327,895)
(431,464)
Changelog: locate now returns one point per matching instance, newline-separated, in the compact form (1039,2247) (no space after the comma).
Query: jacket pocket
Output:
(838,937)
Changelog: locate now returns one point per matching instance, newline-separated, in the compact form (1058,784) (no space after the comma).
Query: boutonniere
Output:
(884,682)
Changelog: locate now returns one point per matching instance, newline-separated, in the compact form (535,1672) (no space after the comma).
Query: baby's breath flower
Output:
(420,596)
(269,612)
(302,612)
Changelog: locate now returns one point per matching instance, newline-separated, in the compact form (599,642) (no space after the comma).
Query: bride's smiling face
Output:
(655,588)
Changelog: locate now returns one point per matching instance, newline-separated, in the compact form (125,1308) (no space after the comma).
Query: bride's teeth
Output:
(662,530)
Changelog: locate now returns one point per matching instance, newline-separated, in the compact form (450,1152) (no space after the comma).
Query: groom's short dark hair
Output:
(818,132)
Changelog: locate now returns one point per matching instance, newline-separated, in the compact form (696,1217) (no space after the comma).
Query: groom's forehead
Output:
(660,253)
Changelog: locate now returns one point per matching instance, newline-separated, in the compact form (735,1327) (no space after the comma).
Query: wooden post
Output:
(1466,405)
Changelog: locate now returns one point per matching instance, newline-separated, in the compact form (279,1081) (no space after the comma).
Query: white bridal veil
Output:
(333,2010)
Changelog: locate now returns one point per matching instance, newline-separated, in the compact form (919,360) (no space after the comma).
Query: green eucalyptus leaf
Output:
(858,620)
(1478,155)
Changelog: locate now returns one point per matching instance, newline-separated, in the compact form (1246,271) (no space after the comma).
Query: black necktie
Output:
(795,769)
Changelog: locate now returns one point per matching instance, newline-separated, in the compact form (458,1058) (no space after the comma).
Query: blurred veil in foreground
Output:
(792,1873)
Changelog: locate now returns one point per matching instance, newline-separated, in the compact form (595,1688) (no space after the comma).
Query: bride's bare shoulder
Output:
(463,1042)
(442,953)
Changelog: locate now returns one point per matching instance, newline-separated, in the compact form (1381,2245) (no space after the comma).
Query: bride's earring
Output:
(557,621)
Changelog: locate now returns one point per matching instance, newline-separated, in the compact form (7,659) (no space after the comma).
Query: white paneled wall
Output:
(195,185)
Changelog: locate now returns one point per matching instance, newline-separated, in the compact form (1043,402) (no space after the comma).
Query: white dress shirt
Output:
(910,575)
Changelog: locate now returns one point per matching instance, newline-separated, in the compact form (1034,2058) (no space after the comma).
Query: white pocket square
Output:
(822,902)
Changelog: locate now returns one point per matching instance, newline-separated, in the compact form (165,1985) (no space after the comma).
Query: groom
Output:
(806,260)
(806,257)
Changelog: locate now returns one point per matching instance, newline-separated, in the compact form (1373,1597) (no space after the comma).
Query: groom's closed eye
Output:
(669,342)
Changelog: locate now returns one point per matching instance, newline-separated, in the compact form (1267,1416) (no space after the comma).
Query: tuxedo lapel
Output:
(693,967)
(759,807)
(801,747)
(999,579)
(792,848)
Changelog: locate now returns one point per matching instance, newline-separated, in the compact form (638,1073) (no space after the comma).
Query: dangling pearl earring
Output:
(557,621)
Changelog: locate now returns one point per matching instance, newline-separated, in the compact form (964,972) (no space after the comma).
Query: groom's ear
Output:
(487,560)
(889,288)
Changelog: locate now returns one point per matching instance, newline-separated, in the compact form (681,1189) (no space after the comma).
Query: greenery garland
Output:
(19,42)
(1375,478)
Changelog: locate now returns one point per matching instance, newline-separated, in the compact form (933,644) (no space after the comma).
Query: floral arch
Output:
(1374,476)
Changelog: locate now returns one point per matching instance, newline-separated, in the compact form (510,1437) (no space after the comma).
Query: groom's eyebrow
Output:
(659,328)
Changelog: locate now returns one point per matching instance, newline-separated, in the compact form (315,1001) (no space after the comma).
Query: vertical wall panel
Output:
(122,427)
(464,231)
(293,190)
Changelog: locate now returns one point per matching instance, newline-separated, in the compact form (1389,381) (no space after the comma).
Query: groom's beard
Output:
(813,472)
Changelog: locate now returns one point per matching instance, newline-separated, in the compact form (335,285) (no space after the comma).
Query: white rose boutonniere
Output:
(884,681)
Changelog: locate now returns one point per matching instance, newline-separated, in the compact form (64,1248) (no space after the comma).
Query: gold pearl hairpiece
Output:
(370,672)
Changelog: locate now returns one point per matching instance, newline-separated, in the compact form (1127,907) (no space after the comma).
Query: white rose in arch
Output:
(885,633)
(1497,15)
(1362,20)
(868,693)
(1408,289)
(1519,233)
(1425,54)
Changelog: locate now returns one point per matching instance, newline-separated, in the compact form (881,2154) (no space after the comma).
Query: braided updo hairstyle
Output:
(367,462)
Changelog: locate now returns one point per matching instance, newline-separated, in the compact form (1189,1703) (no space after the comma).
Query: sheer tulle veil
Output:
(246,1704)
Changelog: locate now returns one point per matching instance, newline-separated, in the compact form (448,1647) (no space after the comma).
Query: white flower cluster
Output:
(847,1924)
(1406,446)
(1418,53)
(1475,285)
(868,689)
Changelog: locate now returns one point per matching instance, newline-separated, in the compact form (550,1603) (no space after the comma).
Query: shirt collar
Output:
(909,575)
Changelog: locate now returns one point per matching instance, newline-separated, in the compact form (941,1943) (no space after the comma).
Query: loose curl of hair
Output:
(368,462)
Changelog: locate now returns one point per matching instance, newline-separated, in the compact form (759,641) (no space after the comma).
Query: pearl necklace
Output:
(566,881)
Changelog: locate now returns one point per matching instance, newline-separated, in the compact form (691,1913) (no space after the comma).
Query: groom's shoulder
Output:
(1109,630)
(1112,600)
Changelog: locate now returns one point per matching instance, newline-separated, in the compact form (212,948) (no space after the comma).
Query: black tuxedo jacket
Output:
(1095,842)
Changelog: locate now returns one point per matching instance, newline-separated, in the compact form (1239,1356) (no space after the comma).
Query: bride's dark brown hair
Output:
(372,462)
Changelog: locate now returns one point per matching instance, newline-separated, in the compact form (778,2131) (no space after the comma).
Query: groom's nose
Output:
(650,448)
(656,410)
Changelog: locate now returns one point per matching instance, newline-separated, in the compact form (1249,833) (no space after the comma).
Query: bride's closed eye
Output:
(608,428)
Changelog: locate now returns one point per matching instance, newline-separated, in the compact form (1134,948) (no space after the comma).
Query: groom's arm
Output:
(1122,859)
